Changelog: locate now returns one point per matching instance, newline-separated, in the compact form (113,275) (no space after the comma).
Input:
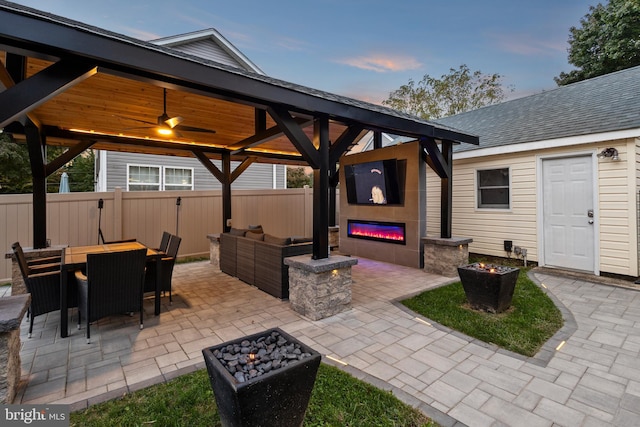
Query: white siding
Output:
(617,183)
(207,49)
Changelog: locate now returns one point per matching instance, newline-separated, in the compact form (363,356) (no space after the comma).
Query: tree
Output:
(298,178)
(15,172)
(607,40)
(456,92)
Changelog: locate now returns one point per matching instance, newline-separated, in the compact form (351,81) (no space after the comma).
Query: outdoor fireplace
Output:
(389,232)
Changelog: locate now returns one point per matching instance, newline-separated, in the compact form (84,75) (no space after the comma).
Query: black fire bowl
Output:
(278,397)
(486,290)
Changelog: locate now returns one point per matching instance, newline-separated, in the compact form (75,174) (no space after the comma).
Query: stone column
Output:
(444,256)
(320,288)
(12,310)
(214,250)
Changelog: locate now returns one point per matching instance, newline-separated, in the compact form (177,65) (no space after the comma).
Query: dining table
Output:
(75,258)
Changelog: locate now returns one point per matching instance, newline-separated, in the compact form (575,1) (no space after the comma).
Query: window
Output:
(156,178)
(493,188)
(178,179)
(143,178)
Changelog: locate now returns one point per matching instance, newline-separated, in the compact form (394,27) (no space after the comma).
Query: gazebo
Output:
(69,84)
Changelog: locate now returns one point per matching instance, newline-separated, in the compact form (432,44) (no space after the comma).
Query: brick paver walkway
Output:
(592,380)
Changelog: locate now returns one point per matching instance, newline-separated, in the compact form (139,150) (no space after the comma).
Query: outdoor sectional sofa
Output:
(258,259)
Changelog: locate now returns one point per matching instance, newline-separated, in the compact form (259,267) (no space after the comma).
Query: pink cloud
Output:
(382,63)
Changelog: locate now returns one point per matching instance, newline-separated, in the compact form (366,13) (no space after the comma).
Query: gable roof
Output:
(71,65)
(209,44)
(602,104)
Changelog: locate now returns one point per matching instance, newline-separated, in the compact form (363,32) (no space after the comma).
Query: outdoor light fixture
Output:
(165,131)
(609,152)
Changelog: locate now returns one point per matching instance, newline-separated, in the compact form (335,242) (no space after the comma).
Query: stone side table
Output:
(443,256)
(214,249)
(320,288)
(12,310)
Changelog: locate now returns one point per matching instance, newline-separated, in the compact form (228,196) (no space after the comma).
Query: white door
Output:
(568,213)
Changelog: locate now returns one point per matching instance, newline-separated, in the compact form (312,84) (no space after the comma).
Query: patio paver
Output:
(593,379)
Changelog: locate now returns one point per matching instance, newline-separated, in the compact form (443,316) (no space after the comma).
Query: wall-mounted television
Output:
(374,183)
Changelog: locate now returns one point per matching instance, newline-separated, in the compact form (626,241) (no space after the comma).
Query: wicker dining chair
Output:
(43,285)
(166,266)
(36,265)
(164,242)
(112,285)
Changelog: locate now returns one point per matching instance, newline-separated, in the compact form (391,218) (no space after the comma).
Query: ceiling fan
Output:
(168,125)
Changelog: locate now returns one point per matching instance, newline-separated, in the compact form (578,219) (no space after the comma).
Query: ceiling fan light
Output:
(165,131)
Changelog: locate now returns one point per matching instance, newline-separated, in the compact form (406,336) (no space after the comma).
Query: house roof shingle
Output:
(602,104)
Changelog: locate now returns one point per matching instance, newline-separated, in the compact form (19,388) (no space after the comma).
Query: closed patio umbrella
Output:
(64,183)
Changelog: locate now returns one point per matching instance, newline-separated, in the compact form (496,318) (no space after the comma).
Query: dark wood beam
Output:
(321,190)
(296,135)
(241,168)
(37,155)
(67,156)
(343,143)
(206,162)
(438,162)
(264,136)
(23,97)
(446,191)
(377,140)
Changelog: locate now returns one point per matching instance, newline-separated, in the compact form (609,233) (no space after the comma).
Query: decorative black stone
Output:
(273,376)
(488,287)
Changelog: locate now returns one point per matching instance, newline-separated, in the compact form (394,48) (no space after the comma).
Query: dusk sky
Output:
(362,48)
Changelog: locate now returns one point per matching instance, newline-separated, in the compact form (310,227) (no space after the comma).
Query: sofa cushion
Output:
(254,236)
(255,229)
(282,241)
(298,239)
(237,232)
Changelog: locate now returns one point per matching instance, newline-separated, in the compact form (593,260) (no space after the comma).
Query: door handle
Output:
(590,213)
(590,221)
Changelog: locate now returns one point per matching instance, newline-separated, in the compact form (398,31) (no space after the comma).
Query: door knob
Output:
(590,221)
(590,213)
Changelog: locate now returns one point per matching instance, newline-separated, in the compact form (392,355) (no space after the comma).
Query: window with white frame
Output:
(178,178)
(143,178)
(493,188)
(157,178)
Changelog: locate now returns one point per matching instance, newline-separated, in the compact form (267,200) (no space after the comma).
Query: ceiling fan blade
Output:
(173,121)
(193,129)
(135,120)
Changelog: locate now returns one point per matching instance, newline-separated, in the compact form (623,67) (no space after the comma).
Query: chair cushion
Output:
(254,236)
(237,232)
(282,241)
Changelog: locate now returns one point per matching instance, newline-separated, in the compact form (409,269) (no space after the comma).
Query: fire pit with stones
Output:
(488,287)
(263,379)
(251,359)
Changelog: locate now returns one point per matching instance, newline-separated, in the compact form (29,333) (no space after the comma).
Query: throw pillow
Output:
(237,232)
(282,241)
(255,229)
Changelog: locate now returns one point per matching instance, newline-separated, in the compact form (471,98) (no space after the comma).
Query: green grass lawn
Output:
(338,399)
(532,319)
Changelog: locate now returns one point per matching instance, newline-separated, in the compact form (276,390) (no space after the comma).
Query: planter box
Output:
(277,397)
(488,287)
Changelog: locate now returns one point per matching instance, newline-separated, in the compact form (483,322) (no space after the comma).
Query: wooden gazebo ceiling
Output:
(107,105)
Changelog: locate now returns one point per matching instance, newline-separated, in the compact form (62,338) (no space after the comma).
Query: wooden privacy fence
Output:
(73,218)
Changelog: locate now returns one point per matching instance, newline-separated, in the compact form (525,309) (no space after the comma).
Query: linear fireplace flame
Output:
(390,232)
